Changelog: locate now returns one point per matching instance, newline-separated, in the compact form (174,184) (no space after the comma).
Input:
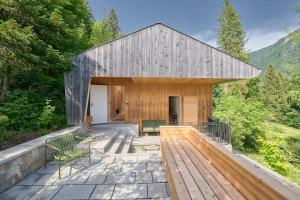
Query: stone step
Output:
(117,144)
(99,135)
(127,144)
(104,143)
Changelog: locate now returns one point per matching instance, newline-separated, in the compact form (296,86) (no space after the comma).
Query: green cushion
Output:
(148,129)
(152,125)
(156,129)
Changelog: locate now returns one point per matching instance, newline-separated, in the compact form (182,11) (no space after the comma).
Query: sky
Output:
(265,21)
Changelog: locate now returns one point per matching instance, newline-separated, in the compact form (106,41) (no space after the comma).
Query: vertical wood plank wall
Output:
(150,101)
(157,51)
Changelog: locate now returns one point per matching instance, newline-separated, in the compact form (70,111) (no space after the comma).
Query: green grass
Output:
(275,129)
(292,139)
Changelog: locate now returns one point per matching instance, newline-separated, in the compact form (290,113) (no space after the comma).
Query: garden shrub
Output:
(27,111)
(47,116)
(3,121)
(276,155)
(293,143)
(245,118)
(21,109)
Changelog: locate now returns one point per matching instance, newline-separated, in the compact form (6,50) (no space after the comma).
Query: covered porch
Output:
(133,99)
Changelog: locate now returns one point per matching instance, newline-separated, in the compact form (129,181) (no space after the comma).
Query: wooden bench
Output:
(152,126)
(65,148)
(197,169)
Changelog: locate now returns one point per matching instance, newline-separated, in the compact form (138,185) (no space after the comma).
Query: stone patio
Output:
(123,176)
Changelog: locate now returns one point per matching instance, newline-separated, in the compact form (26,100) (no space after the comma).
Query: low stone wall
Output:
(19,161)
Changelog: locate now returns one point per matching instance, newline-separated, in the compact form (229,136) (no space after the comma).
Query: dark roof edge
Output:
(173,30)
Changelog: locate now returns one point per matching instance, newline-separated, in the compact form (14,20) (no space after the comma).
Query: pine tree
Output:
(100,33)
(14,51)
(231,36)
(253,88)
(274,90)
(105,30)
(113,24)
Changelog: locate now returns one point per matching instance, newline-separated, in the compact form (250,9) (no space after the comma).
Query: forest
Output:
(264,112)
(38,37)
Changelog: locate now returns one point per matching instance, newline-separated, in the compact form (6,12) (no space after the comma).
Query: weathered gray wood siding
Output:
(156,51)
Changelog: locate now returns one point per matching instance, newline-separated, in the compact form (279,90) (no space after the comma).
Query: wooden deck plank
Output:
(206,190)
(177,181)
(228,176)
(211,174)
(187,177)
(233,174)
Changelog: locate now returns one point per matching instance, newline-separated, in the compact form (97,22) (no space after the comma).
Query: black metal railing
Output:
(218,131)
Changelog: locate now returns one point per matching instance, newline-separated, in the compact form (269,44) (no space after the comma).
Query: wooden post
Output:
(89,120)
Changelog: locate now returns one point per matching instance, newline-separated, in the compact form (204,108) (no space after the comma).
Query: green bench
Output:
(65,148)
(152,126)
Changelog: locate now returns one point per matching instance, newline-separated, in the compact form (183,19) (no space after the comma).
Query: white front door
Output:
(98,103)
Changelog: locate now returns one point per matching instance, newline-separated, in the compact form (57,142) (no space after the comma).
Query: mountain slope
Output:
(283,52)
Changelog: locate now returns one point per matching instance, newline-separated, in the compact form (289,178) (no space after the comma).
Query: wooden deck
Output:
(197,169)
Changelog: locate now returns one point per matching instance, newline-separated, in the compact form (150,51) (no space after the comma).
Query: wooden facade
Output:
(151,101)
(157,51)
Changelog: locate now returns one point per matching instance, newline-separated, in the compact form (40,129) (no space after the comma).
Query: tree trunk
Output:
(6,84)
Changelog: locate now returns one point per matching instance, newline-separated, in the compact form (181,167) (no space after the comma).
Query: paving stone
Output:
(159,176)
(132,191)
(143,177)
(53,162)
(154,166)
(103,192)
(83,164)
(108,160)
(73,192)
(126,159)
(143,158)
(79,178)
(155,157)
(52,169)
(39,179)
(113,168)
(46,193)
(96,178)
(133,167)
(96,168)
(157,190)
(120,178)
(20,192)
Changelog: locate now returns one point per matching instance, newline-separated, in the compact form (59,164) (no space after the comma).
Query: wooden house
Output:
(154,73)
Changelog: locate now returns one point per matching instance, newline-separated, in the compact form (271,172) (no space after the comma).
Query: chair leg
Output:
(71,167)
(59,169)
(90,152)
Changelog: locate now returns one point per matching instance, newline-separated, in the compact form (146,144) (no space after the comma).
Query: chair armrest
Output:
(53,147)
(84,140)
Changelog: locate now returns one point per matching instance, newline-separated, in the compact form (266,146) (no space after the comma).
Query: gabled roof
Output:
(160,51)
